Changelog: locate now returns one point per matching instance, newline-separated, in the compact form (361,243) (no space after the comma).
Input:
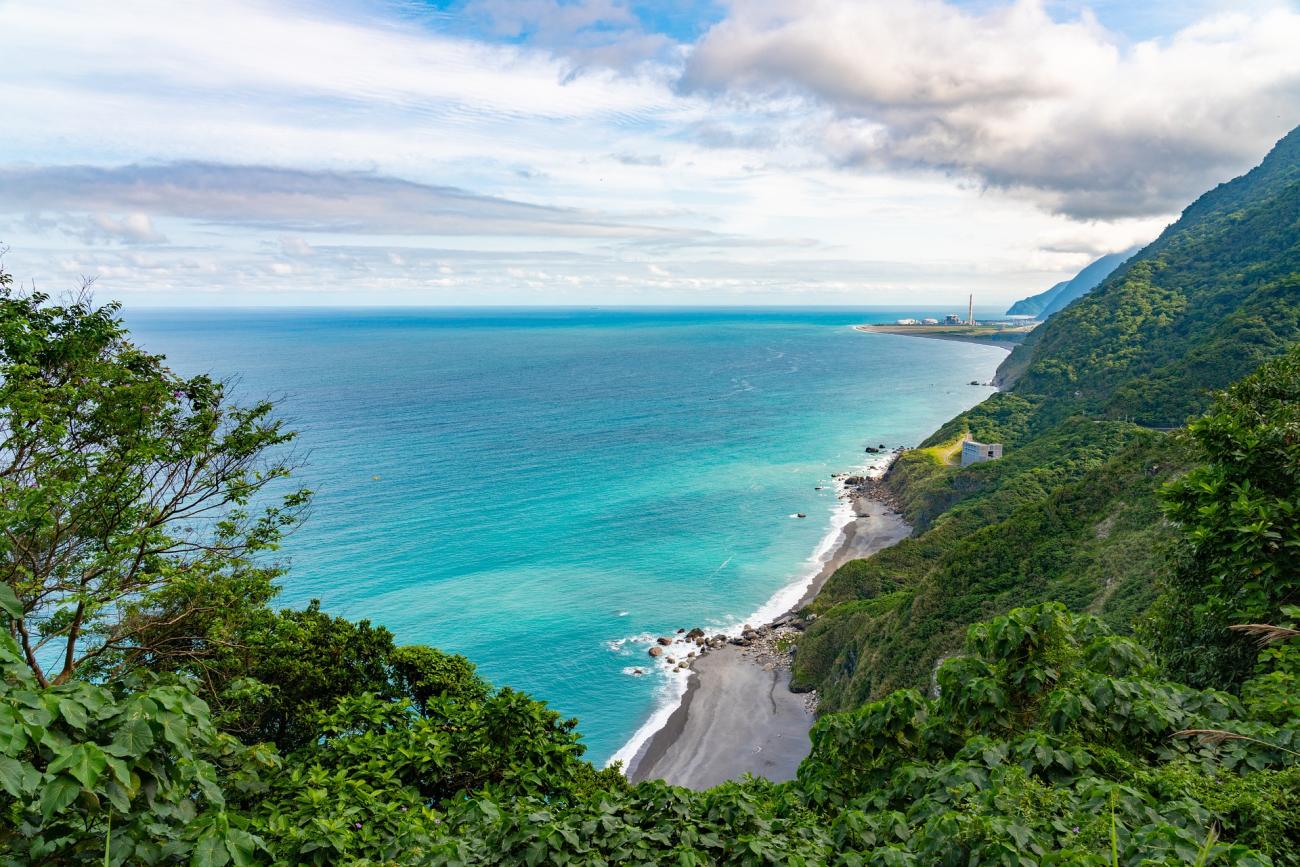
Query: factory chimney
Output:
(970,310)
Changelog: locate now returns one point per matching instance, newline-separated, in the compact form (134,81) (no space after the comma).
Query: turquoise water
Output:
(556,487)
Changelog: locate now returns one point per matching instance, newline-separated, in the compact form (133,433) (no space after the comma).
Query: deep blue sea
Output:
(546,490)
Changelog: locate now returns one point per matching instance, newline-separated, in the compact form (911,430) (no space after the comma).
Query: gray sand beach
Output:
(739,716)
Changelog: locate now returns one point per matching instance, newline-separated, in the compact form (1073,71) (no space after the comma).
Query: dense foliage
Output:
(118,480)
(1241,507)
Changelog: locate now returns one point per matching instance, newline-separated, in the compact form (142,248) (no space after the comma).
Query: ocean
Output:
(547,490)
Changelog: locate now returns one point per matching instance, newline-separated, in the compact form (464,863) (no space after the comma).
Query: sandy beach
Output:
(738,715)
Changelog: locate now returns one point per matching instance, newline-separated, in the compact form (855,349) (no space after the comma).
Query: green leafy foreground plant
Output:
(1046,722)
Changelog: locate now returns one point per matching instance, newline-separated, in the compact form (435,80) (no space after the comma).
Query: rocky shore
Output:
(772,644)
(739,715)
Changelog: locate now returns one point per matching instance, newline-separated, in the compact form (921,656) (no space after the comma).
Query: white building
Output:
(906,322)
(974,453)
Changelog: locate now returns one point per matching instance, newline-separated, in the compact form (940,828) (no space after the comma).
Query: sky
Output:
(617,152)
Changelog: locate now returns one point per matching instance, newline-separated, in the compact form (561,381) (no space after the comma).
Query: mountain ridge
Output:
(1045,304)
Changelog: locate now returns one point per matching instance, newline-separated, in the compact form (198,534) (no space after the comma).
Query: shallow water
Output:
(556,487)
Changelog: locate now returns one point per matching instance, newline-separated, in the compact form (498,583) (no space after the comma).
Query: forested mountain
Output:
(1044,304)
(1217,293)
(1072,512)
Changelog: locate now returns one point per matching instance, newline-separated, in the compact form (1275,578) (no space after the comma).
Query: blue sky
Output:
(618,152)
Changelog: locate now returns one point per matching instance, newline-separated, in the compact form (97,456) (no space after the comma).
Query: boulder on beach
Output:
(664,640)
(671,661)
(695,633)
(655,651)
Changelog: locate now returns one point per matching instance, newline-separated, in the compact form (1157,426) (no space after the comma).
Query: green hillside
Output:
(1071,513)
(1216,294)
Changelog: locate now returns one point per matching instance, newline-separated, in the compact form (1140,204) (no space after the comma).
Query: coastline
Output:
(737,714)
(1008,343)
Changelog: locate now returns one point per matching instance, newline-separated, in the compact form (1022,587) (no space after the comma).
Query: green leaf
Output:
(73,713)
(11,776)
(86,762)
(9,602)
(210,851)
(242,846)
(118,797)
(135,737)
(59,793)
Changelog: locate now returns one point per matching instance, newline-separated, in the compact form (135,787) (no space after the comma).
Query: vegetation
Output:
(1073,517)
(1074,511)
(1241,506)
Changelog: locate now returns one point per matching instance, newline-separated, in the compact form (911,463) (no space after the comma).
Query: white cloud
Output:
(1062,112)
(92,228)
(291,245)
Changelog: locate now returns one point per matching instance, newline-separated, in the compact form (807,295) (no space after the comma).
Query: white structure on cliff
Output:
(974,453)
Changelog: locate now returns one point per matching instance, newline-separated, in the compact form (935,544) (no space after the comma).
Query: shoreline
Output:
(737,714)
(1007,345)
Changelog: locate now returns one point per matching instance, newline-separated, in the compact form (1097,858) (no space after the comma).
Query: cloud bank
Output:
(1064,113)
(288,200)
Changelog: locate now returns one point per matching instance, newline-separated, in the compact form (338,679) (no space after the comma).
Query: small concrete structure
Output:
(974,453)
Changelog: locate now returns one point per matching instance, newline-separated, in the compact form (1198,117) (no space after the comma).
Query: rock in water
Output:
(655,651)
(664,640)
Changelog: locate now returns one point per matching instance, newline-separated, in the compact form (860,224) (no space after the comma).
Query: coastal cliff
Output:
(1071,513)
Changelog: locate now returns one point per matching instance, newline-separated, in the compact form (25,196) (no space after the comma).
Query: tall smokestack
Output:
(970,310)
